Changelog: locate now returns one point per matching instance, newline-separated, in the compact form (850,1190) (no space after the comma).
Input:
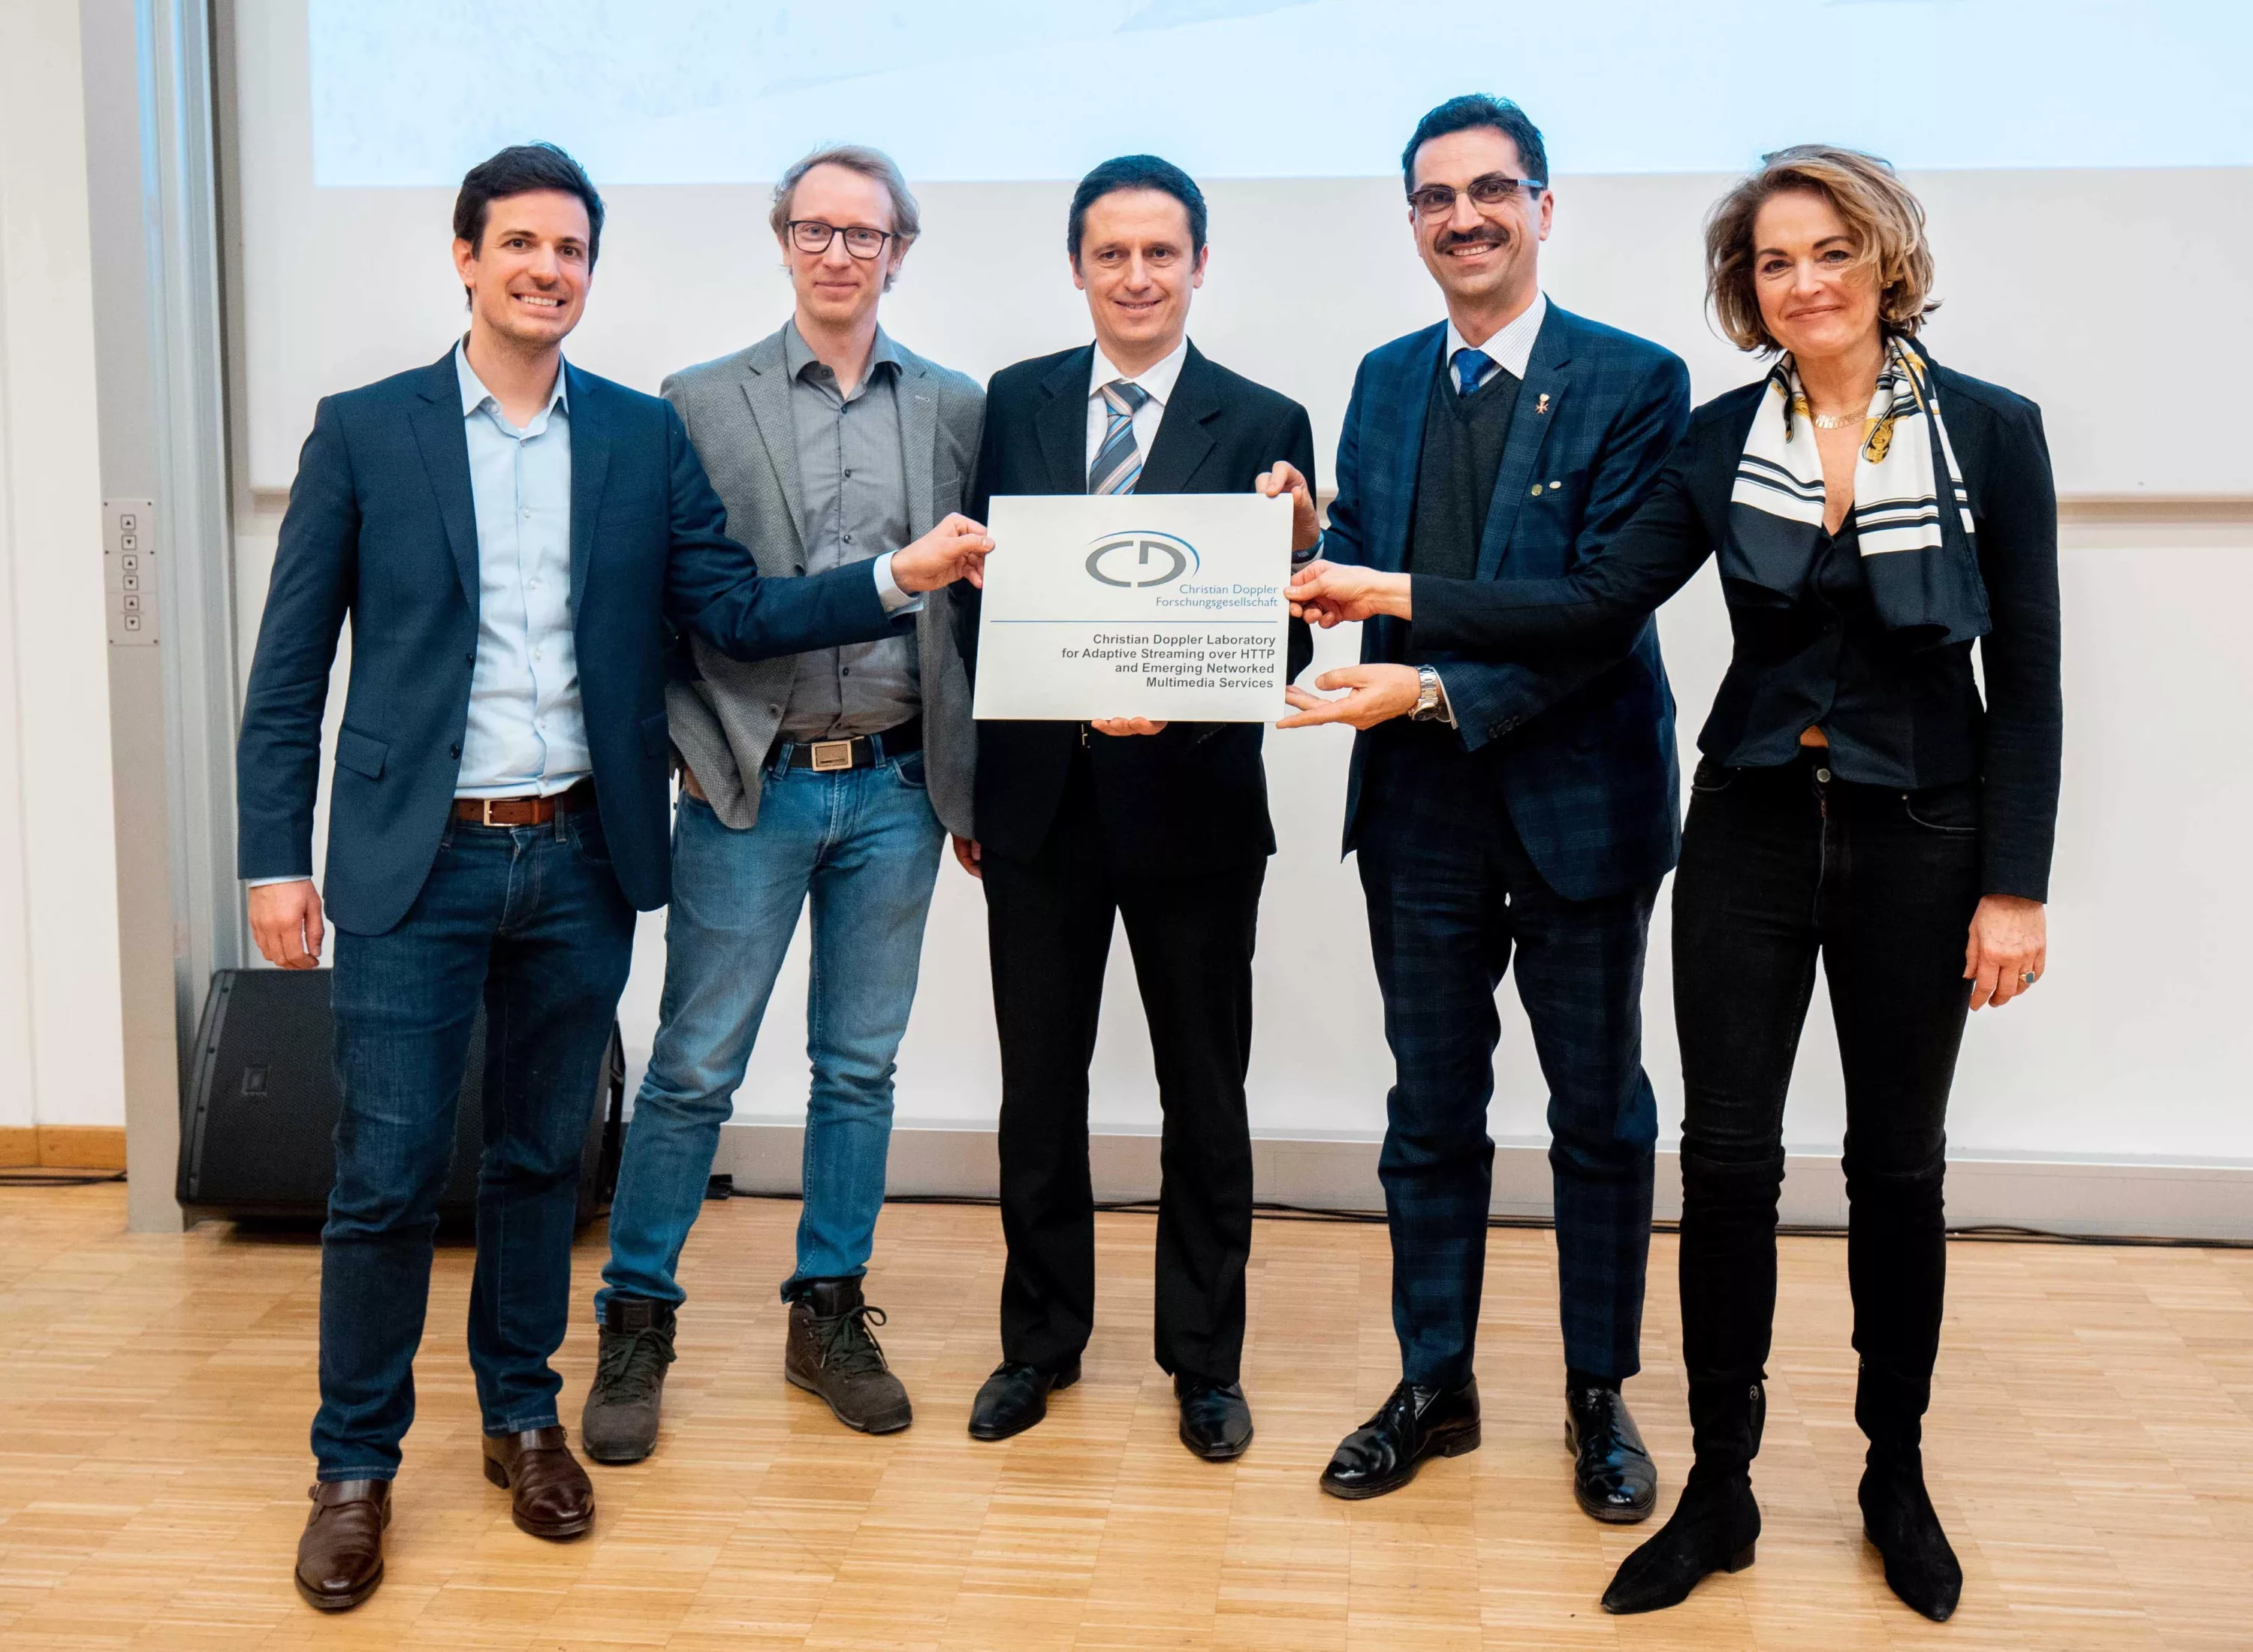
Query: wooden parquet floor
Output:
(2091,1454)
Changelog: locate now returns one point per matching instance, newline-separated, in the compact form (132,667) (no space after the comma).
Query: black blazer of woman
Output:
(1897,714)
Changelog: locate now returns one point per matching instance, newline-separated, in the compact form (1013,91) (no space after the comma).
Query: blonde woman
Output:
(1874,515)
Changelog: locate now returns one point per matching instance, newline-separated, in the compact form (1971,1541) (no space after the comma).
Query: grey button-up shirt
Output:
(852,474)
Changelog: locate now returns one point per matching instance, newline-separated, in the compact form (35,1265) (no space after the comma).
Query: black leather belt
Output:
(864,752)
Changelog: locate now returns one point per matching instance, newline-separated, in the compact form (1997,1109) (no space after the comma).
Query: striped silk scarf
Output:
(1916,544)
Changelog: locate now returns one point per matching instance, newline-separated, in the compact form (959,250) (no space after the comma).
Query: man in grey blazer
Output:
(828,778)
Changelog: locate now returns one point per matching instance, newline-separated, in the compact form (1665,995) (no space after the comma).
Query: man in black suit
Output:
(1165,827)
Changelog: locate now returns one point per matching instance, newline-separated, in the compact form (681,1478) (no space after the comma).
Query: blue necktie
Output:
(1470,367)
(1118,462)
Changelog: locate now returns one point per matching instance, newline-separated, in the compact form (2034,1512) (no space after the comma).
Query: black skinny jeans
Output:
(1779,865)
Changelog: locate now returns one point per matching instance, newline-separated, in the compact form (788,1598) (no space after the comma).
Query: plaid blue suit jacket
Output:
(1585,739)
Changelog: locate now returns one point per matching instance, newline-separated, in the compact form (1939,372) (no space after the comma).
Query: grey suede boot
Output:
(619,1424)
(830,1353)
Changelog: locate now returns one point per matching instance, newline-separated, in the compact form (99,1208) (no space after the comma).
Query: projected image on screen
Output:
(411,92)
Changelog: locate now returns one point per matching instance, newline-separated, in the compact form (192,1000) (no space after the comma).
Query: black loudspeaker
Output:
(257,1123)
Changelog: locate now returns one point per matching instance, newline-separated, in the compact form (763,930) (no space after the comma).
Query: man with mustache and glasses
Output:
(514,540)
(1502,806)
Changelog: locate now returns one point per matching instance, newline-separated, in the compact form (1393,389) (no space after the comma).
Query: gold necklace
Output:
(1805,410)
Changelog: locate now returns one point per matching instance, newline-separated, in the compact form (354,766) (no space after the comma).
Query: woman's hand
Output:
(2010,941)
(1328,594)
(1124,727)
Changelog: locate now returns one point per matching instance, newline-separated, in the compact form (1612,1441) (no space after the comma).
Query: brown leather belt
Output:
(517,812)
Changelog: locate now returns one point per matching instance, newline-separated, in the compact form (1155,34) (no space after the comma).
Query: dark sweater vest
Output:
(1463,439)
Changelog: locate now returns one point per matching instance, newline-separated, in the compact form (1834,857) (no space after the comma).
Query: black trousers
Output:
(1048,923)
(1779,865)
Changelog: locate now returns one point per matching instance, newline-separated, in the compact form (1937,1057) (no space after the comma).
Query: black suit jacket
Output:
(1193,798)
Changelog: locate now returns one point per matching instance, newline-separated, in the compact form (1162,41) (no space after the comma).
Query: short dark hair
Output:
(522,168)
(1474,109)
(1137,171)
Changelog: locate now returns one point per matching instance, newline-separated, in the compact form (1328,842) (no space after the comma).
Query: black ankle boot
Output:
(1897,1516)
(1717,1524)
(1890,1400)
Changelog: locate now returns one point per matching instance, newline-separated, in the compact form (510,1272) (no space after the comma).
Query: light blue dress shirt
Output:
(527,733)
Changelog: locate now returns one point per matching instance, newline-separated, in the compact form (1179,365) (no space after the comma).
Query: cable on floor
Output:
(1979,1233)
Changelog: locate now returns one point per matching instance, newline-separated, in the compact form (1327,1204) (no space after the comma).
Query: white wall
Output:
(61,1052)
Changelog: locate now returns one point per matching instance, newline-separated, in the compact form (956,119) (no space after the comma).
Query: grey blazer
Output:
(737,411)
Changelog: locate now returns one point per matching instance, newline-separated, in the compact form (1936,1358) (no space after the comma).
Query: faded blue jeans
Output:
(863,846)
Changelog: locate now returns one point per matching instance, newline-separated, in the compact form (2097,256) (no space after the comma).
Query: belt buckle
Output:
(486,805)
(831,755)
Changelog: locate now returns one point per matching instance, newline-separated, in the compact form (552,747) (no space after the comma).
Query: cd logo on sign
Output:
(1137,558)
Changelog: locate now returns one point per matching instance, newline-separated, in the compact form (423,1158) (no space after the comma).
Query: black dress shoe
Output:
(1216,1418)
(1898,1518)
(1015,1398)
(1613,1477)
(1414,1423)
(1714,1529)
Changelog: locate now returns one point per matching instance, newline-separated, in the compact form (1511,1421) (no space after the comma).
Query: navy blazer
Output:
(1584,739)
(382,526)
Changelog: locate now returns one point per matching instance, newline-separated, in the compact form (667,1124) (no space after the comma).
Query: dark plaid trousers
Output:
(1452,894)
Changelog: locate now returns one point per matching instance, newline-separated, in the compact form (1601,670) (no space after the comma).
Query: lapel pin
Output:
(1541,405)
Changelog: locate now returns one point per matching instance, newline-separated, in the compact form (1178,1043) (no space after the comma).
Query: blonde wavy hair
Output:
(1886,220)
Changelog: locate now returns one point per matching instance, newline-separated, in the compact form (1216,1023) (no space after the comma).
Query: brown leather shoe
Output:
(340,1553)
(549,1494)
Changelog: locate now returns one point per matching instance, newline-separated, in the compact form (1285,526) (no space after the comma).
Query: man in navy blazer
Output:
(514,541)
(1504,806)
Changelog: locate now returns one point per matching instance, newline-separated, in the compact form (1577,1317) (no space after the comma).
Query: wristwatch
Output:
(1430,707)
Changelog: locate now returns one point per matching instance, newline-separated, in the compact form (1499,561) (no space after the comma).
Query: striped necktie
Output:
(1118,462)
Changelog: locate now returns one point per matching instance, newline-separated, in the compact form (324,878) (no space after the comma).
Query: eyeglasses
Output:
(812,235)
(1494,189)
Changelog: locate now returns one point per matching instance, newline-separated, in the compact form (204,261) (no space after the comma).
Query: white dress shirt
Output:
(1512,348)
(1157,382)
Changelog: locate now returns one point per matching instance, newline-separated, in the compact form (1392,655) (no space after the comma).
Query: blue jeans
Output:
(863,845)
(531,920)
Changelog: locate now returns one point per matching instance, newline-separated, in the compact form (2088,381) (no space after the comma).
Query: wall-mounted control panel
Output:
(129,570)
